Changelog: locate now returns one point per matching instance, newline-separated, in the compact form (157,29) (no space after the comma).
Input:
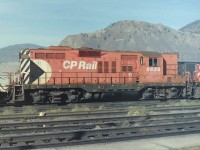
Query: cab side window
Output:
(153,62)
(141,60)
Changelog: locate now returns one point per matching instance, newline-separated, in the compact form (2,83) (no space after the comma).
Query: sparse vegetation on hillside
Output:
(193,27)
(135,35)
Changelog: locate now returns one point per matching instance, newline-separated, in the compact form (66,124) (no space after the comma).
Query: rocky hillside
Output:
(193,27)
(9,61)
(10,53)
(135,35)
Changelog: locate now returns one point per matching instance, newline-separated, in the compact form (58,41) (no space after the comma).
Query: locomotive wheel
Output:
(75,96)
(173,93)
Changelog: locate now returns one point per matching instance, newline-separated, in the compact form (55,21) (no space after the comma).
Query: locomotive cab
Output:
(151,67)
(158,75)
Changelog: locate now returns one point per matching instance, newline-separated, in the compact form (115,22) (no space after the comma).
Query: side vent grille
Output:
(89,53)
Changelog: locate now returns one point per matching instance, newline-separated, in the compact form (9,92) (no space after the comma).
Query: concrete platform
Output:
(164,143)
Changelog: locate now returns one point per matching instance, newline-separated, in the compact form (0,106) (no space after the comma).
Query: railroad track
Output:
(86,114)
(92,123)
(70,107)
(64,136)
(90,106)
(30,131)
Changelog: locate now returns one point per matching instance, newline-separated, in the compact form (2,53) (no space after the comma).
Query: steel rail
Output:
(64,114)
(98,119)
(116,123)
(98,135)
(92,106)
(121,108)
(89,113)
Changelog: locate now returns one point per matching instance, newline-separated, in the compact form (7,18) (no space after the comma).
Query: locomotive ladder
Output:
(18,93)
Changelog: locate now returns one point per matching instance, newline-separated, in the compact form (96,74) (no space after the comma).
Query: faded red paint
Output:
(88,66)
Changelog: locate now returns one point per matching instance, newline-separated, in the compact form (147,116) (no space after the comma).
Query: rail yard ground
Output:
(183,142)
(130,125)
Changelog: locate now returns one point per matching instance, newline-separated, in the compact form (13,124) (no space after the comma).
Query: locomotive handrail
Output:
(109,79)
(91,82)
(64,78)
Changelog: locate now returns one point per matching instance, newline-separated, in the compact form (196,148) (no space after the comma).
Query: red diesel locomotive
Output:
(63,74)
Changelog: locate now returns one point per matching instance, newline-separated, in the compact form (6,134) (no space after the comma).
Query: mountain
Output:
(193,27)
(10,53)
(136,35)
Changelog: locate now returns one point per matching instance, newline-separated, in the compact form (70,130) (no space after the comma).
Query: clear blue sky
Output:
(47,22)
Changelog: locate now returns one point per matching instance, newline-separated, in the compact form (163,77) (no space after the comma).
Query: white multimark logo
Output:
(81,64)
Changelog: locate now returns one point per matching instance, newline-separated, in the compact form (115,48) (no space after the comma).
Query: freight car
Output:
(61,74)
(191,70)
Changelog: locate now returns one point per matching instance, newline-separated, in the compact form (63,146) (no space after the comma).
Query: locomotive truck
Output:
(60,74)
